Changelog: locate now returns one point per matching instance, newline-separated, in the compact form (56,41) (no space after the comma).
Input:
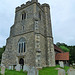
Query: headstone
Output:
(10,67)
(73,64)
(61,64)
(32,71)
(71,72)
(2,65)
(70,65)
(18,67)
(25,68)
(3,70)
(61,72)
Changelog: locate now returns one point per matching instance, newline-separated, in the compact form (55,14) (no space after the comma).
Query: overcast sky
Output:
(62,16)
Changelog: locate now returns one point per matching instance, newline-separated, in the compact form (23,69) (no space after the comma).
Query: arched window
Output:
(40,15)
(23,15)
(22,45)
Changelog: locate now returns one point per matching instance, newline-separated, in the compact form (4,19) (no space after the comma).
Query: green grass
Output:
(51,70)
(48,71)
(43,71)
(13,72)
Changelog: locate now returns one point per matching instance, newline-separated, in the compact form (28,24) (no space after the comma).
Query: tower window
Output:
(24,47)
(40,15)
(21,45)
(19,48)
(23,15)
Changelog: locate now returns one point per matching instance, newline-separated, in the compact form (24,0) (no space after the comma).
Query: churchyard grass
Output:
(51,70)
(13,72)
(48,71)
(44,71)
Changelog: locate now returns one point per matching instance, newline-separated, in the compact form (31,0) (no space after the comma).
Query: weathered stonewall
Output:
(61,72)
(18,67)
(3,70)
(71,72)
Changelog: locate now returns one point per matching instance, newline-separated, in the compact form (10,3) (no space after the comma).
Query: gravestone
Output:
(25,68)
(2,65)
(61,72)
(3,70)
(10,67)
(73,64)
(18,67)
(61,64)
(32,71)
(71,72)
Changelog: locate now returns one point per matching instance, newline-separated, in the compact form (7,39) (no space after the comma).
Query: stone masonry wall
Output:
(39,52)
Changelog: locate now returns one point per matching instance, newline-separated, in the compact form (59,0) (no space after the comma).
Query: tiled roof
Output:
(57,49)
(62,56)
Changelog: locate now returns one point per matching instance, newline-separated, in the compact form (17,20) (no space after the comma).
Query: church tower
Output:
(30,41)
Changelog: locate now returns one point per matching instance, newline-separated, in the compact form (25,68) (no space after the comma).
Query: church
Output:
(30,41)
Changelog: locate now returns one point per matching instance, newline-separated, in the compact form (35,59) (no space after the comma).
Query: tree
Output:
(58,44)
(1,51)
(72,54)
(64,48)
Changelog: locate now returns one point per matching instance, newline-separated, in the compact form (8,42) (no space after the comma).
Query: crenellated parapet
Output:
(45,5)
(29,3)
(23,5)
(18,8)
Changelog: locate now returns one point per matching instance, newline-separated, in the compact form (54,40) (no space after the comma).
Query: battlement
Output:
(25,5)
(28,3)
(45,5)
(31,2)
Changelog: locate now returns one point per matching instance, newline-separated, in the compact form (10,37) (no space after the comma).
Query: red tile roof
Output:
(57,49)
(62,56)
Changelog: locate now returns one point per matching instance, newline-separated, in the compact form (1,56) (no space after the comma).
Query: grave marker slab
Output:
(61,72)
(61,64)
(3,70)
(71,72)
(25,68)
(18,67)
(32,71)
(10,67)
